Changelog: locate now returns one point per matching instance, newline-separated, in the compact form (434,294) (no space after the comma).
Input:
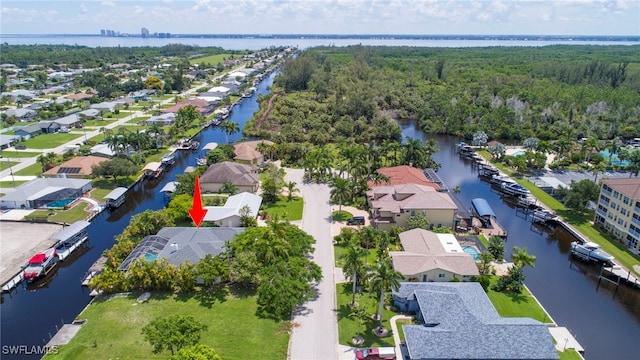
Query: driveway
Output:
(314,335)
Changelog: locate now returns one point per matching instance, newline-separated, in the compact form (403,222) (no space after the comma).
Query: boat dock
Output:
(94,270)
(433,177)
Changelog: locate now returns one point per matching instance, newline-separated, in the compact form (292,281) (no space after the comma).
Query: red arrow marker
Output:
(197,212)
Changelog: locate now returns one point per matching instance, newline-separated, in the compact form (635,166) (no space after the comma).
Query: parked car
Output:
(356,220)
(21,147)
(383,353)
(64,129)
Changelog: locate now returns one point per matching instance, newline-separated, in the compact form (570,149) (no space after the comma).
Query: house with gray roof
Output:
(19,94)
(27,132)
(68,121)
(230,215)
(458,321)
(179,244)
(89,114)
(7,141)
(166,119)
(49,127)
(22,113)
(428,256)
(45,192)
(104,106)
(244,177)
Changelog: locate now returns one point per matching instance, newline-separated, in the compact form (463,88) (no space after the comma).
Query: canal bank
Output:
(31,317)
(570,293)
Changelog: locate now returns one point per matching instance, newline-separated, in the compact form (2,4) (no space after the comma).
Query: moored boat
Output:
(168,159)
(514,189)
(40,264)
(591,252)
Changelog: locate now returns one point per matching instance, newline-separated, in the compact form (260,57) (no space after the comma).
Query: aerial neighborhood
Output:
(275,204)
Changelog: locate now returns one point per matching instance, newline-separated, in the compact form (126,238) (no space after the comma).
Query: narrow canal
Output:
(31,316)
(602,322)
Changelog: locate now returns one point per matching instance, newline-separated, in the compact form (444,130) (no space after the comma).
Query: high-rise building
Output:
(144,32)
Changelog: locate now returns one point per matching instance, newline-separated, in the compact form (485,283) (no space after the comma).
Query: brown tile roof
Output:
(404,174)
(246,152)
(423,251)
(628,186)
(79,96)
(227,171)
(409,196)
(78,166)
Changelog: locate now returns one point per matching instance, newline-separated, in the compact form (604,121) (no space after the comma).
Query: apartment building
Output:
(619,210)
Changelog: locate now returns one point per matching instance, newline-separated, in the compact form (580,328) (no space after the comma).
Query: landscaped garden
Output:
(114,324)
(69,216)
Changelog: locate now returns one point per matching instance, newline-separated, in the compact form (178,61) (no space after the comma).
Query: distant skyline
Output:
(469,17)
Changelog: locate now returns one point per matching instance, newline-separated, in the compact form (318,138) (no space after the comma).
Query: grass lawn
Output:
(211,59)
(162,97)
(516,305)
(20,154)
(569,354)
(10,184)
(341,215)
(348,326)
(64,216)
(122,114)
(113,329)
(4,165)
(138,119)
(340,249)
(46,141)
(31,170)
(97,123)
(289,210)
(399,324)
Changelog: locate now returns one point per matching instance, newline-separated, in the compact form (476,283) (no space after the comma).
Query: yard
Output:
(137,120)
(4,165)
(10,184)
(64,216)
(49,141)
(31,170)
(211,59)
(289,210)
(517,305)
(19,154)
(113,327)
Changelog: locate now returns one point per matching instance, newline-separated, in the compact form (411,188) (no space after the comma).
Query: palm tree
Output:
(496,247)
(353,265)
(590,145)
(384,278)
(273,244)
(291,188)
(230,128)
(228,188)
(360,314)
(339,191)
(613,146)
(522,258)
(413,154)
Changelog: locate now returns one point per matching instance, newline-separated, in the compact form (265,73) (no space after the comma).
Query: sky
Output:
(512,17)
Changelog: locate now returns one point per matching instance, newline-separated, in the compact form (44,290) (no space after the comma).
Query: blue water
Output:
(518,153)
(59,204)
(472,251)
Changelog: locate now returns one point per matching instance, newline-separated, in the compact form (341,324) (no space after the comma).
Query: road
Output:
(314,334)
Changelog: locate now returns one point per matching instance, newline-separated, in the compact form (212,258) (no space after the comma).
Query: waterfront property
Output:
(230,214)
(619,210)
(70,238)
(178,244)
(45,192)
(243,176)
(393,205)
(458,321)
(246,152)
(428,256)
(403,174)
(78,167)
(116,197)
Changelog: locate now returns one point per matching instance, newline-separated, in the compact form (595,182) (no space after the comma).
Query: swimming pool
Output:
(59,204)
(614,159)
(471,250)
(518,153)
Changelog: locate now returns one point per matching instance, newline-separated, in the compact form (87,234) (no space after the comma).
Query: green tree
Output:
(291,189)
(383,279)
(186,277)
(496,247)
(153,82)
(114,168)
(197,352)
(580,193)
(339,191)
(211,269)
(228,188)
(229,127)
(354,266)
(361,315)
(417,221)
(484,265)
(179,207)
(480,138)
(173,333)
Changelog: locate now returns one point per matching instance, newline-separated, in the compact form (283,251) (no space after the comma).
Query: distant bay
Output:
(256,43)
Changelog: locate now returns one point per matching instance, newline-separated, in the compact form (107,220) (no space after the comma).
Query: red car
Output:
(384,353)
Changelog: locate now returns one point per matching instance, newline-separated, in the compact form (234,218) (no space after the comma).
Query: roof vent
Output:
(174,247)
(431,324)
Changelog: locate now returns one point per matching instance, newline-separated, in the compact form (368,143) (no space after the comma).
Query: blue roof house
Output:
(458,321)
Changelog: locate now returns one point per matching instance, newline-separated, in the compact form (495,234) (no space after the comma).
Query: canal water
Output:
(604,321)
(30,316)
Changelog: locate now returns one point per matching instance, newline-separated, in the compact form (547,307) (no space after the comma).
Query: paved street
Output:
(314,335)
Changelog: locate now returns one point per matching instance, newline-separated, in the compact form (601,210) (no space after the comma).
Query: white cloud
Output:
(83,8)
(109,3)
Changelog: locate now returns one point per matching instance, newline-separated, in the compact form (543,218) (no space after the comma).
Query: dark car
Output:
(356,220)
(21,147)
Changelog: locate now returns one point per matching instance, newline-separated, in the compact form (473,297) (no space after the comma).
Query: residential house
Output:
(23,95)
(27,132)
(244,177)
(166,119)
(458,321)
(230,214)
(22,114)
(105,106)
(202,106)
(180,244)
(80,96)
(89,114)
(49,127)
(247,153)
(7,141)
(140,95)
(428,256)
(68,121)
(393,205)
(403,174)
(79,167)
(43,192)
(618,210)
(103,150)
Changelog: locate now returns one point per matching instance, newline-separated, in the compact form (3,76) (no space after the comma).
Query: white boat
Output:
(467,152)
(40,264)
(514,189)
(168,159)
(201,161)
(591,252)
(544,216)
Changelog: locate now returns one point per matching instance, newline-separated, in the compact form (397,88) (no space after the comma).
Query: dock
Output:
(433,177)
(94,270)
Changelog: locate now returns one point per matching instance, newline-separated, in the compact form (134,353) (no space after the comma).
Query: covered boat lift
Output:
(484,212)
(116,197)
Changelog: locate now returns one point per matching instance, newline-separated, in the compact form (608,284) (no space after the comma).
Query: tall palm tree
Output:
(360,314)
(496,247)
(613,146)
(413,153)
(522,258)
(590,145)
(353,265)
(384,278)
(273,245)
(291,188)
(339,191)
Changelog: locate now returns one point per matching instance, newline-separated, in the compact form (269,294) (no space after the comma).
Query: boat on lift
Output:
(40,265)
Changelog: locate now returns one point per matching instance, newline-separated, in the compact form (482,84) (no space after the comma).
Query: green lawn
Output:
(569,354)
(31,170)
(113,327)
(19,154)
(97,123)
(370,258)
(138,119)
(341,215)
(120,115)
(47,141)
(211,59)
(4,165)
(289,210)
(517,305)
(348,326)
(10,184)
(64,216)
(399,324)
